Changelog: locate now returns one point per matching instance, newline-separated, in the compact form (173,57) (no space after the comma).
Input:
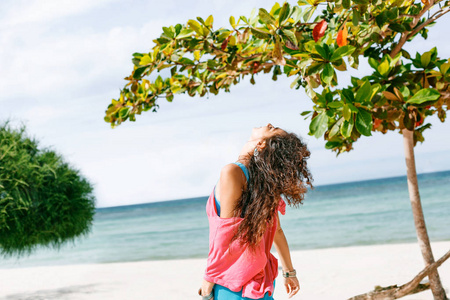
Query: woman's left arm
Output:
(291,283)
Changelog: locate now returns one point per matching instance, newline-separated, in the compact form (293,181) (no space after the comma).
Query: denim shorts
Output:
(223,293)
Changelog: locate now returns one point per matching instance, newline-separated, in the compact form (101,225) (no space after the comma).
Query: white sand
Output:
(336,273)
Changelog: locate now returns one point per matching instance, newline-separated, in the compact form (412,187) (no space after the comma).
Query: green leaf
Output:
(363,93)
(364,122)
(405,91)
(397,27)
(319,125)
(322,52)
(314,68)
(347,94)
(327,74)
(124,112)
(381,19)
(341,52)
(339,65)
(168,32)
(352,108)
(185,33)
(197,54)
(443,68)
(209,21)
(309,12)
(138,72)
(383,68)
(145,60)
(284,12)
(291,36)
(232,22)
(346,4)
(424,95)
(346,129)
(259,33)
(320,100)
(274,8)
(392,13)
(265,17)
(335,129)
(186,61)
(335,104)
(425,59)
(333,144)
(373,63)
(356,17)
(195,26)
(304,113)
(347,112)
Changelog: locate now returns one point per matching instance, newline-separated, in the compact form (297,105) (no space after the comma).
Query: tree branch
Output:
(414,22)
(432,19)
(408,287)
(411,287)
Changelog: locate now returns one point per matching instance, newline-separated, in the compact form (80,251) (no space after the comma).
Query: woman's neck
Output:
(247,152)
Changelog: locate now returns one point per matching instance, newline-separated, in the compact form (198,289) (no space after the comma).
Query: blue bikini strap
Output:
(244,169)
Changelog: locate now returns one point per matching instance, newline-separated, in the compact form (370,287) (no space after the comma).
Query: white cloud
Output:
(43,11)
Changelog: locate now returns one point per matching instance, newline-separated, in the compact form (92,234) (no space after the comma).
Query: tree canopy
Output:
(312,42)
(43,200)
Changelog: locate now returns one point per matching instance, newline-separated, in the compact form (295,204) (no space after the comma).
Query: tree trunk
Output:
(419,221)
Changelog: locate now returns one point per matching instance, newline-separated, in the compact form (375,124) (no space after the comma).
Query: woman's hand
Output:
(292,285)
(206,288)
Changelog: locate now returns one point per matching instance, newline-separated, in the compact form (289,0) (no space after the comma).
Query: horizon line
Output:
(321,185)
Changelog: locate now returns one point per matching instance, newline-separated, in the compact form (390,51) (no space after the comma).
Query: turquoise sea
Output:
(345,214)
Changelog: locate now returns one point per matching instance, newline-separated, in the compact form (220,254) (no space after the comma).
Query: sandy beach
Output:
(332,273)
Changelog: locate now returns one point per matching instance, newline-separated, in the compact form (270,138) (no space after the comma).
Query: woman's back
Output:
(243,218)
(236,270)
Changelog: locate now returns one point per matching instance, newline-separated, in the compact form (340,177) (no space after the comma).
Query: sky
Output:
(62,61)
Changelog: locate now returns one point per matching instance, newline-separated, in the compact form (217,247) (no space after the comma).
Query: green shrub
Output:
(43,200)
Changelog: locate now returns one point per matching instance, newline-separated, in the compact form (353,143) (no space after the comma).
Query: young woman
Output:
(244,221)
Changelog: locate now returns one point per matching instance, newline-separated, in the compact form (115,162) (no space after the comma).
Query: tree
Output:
(43,201)
(399,94)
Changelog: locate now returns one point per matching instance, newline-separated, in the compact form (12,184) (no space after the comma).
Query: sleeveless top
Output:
(235,266)
(244,169)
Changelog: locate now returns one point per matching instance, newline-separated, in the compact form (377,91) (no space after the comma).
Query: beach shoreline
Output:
(328,273)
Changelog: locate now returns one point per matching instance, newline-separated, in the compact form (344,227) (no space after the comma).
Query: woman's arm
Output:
(231,183)
(291,283)
(206,288)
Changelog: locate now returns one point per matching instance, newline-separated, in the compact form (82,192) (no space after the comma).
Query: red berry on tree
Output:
(255,66)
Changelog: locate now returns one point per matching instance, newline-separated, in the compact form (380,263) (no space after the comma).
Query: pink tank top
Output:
(237,267)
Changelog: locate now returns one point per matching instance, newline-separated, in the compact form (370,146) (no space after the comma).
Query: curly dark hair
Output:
(279,169)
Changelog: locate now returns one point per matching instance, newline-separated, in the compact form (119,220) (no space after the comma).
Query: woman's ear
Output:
(261,145)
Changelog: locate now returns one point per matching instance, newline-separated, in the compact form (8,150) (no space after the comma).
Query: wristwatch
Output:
(292,273)
(208,297)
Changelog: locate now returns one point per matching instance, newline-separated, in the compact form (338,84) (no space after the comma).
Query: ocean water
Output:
(345,214)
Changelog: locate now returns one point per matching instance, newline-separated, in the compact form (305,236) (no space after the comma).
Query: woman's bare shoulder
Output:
(231,176)
(231,183)
(230,170)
